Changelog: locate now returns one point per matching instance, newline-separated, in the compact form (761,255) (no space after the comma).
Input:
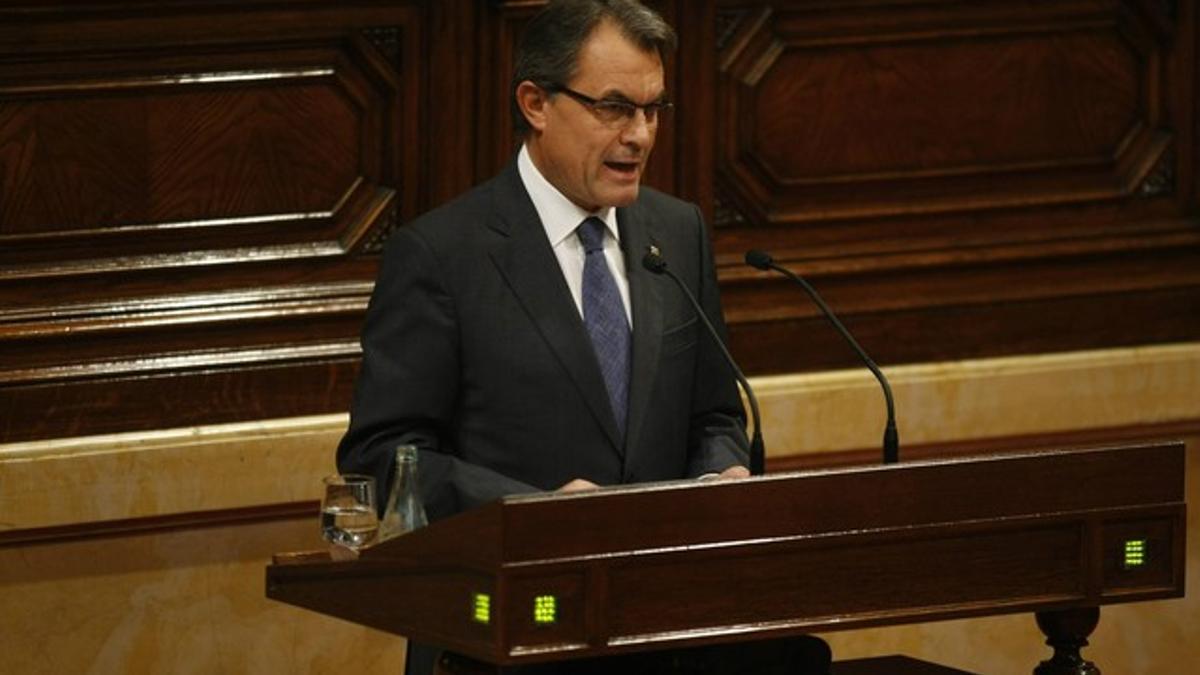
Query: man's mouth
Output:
(624,168)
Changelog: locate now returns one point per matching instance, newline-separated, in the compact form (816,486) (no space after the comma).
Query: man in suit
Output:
(514,336)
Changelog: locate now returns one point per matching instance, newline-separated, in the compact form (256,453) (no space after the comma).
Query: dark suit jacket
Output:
(474,351)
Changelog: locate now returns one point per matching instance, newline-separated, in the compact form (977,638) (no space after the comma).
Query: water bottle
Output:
(405,512)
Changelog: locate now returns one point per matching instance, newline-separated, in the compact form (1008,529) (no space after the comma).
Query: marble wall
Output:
(181,601)
(145,553)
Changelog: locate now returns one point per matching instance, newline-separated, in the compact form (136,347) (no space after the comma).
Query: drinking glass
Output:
(348,516)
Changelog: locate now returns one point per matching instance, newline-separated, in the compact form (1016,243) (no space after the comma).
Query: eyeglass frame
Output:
(650,111)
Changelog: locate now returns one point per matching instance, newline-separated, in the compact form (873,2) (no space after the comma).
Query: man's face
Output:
(593,162)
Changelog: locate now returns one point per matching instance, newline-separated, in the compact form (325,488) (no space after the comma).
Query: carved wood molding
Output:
(163,524)
(1170,9)
(387,40)
(209,175)
(726,214)
(826,117)
(729,21)
(1161,179)
(193,197)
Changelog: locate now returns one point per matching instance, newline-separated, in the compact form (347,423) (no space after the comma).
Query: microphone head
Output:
(759,259)
(653,260)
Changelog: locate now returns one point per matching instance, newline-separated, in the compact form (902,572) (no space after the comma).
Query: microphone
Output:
(891,438)
(654,262)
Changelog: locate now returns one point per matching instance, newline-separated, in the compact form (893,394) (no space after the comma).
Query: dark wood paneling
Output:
(503,22)
(179,391)
(961,179)
(190,196)
(829,115)
(192,193)
(969,304)
(104,157)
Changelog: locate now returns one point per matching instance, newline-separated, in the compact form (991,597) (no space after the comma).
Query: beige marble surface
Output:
(190,601)
(985,398)
(93,479)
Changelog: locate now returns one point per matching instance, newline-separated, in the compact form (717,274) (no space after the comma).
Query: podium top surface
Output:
(807,504)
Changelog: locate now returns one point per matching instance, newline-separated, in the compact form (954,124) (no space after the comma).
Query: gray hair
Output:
(549,51)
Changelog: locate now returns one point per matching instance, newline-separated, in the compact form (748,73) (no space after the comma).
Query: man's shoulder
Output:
(456,224)
(667,218)
(651,196)
(662,205)
(469,209)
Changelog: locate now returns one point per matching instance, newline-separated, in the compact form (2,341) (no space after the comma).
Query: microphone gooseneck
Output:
(891,437)
(655,263)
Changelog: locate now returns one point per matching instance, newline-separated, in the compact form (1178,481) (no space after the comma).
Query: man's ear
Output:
(532,99)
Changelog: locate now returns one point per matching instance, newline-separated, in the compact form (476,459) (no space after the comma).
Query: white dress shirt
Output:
(560,217)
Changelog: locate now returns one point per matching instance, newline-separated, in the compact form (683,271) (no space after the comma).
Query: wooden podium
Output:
(549,577)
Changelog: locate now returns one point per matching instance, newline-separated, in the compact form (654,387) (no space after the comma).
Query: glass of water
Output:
(348,516)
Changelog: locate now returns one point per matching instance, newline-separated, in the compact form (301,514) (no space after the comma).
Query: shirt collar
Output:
(560,216)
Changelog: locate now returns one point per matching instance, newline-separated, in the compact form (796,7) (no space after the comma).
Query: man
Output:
(513,334)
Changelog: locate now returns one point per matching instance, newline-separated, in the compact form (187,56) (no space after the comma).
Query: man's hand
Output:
(578,485)
(735,471)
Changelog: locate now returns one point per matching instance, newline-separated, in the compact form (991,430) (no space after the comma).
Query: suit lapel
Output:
(637,234)
(527,262)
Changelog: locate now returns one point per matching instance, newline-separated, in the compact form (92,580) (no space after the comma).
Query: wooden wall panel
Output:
(922,113)
(936,165)
(215,154)
(192,194)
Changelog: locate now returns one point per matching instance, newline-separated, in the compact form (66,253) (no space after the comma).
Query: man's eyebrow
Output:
(620,97)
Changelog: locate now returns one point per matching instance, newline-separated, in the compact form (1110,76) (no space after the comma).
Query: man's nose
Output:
(639,131)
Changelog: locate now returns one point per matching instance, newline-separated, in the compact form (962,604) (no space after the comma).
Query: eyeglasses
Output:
(616,112)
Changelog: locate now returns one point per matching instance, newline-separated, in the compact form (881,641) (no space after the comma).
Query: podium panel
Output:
(545,577)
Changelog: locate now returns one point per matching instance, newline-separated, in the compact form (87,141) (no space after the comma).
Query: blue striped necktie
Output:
(604,316)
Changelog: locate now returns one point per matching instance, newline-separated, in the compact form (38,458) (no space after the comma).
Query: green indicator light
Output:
(482,608)
(545,610)
(1135,554)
